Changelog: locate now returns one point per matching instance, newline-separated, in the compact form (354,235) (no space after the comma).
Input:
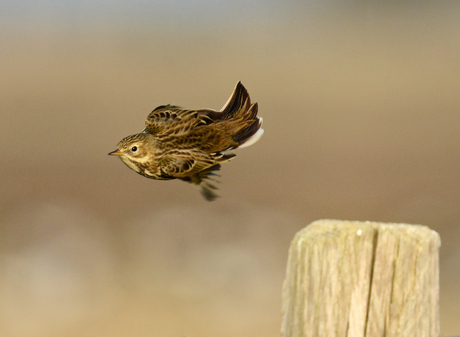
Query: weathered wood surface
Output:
(362,279)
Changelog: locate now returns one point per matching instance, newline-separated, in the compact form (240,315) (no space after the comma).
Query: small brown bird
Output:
(191,144)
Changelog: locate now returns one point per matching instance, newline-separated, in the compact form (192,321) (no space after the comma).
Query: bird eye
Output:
(134,148)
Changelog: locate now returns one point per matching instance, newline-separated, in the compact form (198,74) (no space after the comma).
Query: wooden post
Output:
(362,279)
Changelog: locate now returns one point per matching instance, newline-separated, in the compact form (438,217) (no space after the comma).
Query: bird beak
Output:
(115,153)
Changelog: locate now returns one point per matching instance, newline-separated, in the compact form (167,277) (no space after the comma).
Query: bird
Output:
(191,145)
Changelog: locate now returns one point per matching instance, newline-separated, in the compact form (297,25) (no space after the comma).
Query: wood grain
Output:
(362,279)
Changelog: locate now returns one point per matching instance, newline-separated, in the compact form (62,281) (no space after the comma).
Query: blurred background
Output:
(361,108)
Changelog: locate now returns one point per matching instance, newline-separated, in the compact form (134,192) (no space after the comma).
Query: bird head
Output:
(132,148)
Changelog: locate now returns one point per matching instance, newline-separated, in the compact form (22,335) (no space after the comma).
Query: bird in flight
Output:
(191,145)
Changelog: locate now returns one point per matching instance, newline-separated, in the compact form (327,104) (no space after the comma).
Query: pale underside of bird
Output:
(190,145)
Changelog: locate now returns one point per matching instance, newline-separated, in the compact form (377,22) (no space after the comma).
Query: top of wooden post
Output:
(351,278)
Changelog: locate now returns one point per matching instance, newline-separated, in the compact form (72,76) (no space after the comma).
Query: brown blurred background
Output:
(361,108)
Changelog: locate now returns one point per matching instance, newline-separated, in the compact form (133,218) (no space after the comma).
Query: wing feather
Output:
(163,116)
(181,164)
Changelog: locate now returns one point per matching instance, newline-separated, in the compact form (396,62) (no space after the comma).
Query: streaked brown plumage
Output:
(191,144)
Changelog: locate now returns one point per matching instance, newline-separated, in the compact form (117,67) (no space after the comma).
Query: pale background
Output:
(361,106)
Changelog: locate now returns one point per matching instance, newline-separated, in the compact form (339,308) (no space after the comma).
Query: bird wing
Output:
(184,163)
(238,103)
(165,117)
(195,167)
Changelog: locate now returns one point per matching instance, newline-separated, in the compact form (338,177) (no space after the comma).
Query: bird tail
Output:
(205,180)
